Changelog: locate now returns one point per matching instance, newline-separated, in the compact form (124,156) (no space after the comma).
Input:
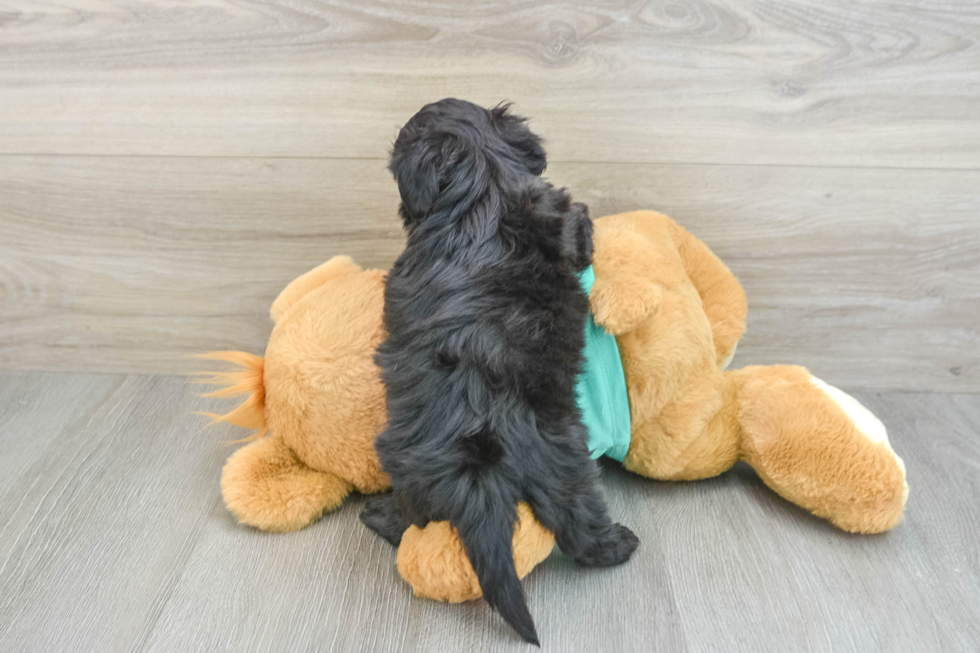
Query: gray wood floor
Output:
(113,537)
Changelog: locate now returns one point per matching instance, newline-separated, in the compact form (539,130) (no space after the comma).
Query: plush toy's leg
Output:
(721,294)
(433,562)
(819,448)
(265,485)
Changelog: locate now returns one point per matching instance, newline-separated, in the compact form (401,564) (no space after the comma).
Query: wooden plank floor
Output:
(113,537)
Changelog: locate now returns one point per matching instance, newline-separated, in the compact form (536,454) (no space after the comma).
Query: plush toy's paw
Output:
(382,516)
(433,562)
(884,507)
(613,548)
(265,485)
(820,448)
(620,307)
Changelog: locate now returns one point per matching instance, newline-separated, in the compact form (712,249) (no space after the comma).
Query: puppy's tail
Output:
(487,531)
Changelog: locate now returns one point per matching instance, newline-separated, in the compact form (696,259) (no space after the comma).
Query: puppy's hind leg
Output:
(567,502)
(381,515)
(613,547)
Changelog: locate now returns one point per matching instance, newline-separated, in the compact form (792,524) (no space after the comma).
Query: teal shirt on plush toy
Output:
(601,388)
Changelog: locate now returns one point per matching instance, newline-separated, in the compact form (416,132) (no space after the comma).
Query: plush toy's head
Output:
(452,149)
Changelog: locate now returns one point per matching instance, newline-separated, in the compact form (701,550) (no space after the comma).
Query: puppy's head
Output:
(452,150)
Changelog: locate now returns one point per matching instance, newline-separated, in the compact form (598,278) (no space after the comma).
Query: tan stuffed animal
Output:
(677,313)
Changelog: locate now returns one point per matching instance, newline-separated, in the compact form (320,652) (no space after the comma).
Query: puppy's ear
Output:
(415,171)
(514,131)
(432,167)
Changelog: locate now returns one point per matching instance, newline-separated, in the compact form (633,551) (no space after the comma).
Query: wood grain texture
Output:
(113,538)
(100,521)
(802,584)
(31,421)
(870,277)
(714,81)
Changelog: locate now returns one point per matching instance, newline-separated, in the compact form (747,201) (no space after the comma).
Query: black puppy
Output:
(485,320)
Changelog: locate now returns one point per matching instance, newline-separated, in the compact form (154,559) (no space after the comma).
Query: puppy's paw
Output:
(577,236)
(381,515)
(614,547)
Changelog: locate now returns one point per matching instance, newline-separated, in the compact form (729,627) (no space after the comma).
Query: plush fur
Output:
(429,556)
(485,327)
(691,419)
(319,394)
(678,313)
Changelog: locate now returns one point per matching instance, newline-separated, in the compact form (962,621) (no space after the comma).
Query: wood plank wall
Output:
(166,167)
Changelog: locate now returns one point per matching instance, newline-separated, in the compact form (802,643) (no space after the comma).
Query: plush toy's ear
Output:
(513,130)
(305,283)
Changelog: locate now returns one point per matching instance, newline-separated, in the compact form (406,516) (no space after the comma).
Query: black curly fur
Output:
(485,319)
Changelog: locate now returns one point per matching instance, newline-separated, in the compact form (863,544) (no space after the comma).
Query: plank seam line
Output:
(260,157)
